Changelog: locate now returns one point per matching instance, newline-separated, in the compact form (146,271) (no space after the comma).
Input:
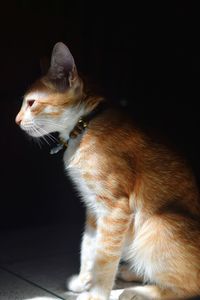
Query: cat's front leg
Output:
(82,281)
(111,232)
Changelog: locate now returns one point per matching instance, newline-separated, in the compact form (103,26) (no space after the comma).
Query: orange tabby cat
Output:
(141,198)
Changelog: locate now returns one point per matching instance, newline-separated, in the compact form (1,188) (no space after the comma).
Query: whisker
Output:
(49,135)
(34,127)
(32,138)
(53,138)
(43,137)
(44,121)
(38,140)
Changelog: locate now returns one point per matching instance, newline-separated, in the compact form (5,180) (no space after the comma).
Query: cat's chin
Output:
(36,132)
(33,133)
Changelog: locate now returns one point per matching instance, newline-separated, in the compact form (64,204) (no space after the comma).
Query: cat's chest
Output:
(85,170)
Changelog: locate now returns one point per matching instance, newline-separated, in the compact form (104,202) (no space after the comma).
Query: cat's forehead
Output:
(35,95)
(39,90)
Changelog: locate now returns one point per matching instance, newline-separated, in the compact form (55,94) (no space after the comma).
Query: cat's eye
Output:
(30,102)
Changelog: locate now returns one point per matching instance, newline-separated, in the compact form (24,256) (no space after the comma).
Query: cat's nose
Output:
(18,119)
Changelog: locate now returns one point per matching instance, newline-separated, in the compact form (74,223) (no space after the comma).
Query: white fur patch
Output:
(35,96)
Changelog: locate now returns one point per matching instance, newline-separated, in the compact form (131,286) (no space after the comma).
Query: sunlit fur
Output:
(142,203)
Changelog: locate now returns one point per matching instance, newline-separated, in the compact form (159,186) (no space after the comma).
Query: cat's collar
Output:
(63,144)
(80,126)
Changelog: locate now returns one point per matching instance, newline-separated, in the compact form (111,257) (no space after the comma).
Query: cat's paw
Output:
(79,283)
(129,294)
(90,296)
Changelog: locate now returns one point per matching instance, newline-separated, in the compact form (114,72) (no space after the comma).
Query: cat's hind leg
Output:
(167,253)
(149,292)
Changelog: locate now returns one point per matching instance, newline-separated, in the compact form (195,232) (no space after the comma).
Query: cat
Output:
(141,198)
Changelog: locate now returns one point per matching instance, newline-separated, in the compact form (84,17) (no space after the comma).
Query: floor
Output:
(34,263)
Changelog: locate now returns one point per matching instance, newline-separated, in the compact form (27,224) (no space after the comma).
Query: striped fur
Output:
(141,198)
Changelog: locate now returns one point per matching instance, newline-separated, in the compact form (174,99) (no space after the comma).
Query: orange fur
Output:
(145,199)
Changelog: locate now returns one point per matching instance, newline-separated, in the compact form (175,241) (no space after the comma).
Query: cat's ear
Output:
(62,71)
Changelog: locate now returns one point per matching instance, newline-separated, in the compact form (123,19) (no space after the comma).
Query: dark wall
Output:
(146,56)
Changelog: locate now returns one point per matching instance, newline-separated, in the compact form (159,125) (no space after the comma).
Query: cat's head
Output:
(54,101)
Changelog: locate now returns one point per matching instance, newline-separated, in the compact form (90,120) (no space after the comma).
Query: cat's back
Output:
(115,152)
(112,137)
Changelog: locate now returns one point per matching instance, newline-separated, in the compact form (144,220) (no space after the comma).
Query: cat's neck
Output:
(71,117)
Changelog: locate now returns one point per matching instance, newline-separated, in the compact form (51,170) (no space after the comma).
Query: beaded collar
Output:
(79,128)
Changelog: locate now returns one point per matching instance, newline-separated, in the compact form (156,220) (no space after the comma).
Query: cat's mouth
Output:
(40,134)
(33,130)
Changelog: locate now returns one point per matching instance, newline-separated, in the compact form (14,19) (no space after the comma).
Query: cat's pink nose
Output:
(18,119)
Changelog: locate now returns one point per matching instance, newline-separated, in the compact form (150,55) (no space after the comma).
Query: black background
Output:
(145,55)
